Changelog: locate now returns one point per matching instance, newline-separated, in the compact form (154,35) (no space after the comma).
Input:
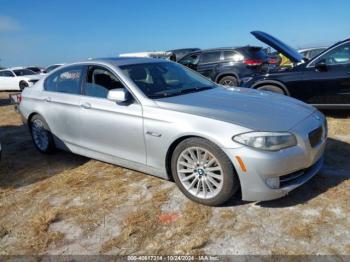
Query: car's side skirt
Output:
(76,149)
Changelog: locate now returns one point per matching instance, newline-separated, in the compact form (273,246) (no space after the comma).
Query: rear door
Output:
(8,81)
(330,84)
(208,62)
(107,127)
(61,98)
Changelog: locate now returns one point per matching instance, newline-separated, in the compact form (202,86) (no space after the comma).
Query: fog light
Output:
(273,182)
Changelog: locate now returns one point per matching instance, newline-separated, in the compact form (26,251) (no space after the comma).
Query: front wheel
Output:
(203,172)
(41,135)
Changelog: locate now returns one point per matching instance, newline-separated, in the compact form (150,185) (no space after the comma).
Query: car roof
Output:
(311,48)
(224,48)
(16,68)
(121,61)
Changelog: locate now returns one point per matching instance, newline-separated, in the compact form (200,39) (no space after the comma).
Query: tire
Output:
(272,88)
(196,182)
(22,85)
(228,81)
(41,135)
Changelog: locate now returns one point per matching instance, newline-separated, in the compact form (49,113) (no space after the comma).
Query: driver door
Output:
(109,128)
(327,78)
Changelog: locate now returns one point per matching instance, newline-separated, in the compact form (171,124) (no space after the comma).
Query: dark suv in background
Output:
(227,66)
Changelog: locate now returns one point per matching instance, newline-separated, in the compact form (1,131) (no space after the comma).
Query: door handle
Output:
(85,106)
(47,99)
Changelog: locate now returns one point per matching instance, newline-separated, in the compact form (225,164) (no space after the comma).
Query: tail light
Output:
(19,98)
(253,62)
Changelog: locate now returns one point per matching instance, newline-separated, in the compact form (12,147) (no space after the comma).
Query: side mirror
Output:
(120,95)
(321,66)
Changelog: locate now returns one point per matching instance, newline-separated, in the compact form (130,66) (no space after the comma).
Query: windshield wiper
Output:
(194,89)
(181,92)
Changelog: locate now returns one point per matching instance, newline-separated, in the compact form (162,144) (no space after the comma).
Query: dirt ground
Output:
(67,204)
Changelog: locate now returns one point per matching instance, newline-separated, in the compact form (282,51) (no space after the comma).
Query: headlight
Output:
(271,141)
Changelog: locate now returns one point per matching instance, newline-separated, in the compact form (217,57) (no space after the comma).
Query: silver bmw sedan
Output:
(163,119)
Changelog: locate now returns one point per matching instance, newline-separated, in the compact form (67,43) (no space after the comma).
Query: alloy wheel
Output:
(200,172)
(40,135)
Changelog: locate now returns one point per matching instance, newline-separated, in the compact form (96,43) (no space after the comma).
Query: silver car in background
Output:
(158,117)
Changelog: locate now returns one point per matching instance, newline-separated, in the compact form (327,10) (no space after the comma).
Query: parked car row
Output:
(322,80)
(17,78)
(187,121)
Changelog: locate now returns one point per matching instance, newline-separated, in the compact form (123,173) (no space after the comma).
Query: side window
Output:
(99,81)
(232,56)
(339,55)
(210,57)
(6,74)
(190,60)
(67,81)
(314,53)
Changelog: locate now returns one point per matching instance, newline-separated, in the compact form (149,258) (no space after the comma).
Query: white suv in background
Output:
(17,78)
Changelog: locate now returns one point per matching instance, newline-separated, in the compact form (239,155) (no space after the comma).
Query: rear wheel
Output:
(228,81)
(41,135)
(203,172)
(22,85)
(272,88)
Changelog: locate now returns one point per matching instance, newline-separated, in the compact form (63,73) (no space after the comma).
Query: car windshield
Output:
(23,72)
(164,79)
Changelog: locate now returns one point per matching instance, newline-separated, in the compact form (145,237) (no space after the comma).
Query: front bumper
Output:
(291,167)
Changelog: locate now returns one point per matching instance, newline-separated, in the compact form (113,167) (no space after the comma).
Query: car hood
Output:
(256,110)
(278,45)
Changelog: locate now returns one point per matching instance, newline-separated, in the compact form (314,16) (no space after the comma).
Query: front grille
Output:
(315,136)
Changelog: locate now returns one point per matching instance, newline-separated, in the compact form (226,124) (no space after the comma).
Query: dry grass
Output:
(143,230)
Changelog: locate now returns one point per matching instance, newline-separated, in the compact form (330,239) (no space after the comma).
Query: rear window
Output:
(232,56)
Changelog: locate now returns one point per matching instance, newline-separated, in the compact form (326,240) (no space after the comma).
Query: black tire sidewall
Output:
(21,84)
(271,88)
(51,144)
(230,183)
